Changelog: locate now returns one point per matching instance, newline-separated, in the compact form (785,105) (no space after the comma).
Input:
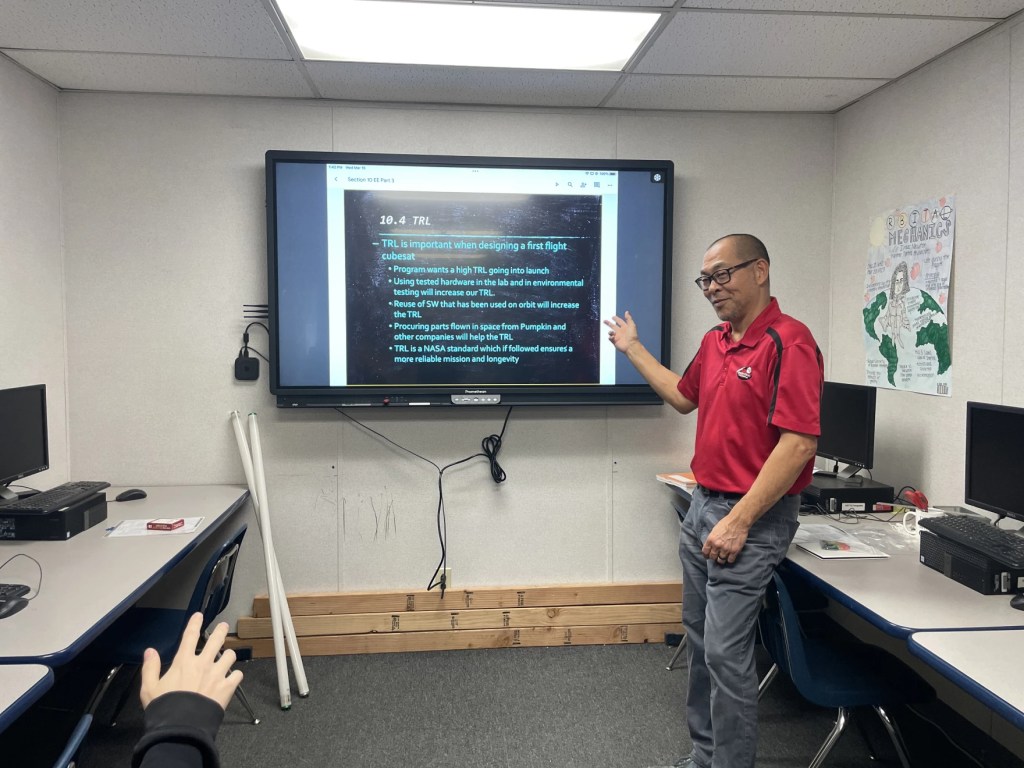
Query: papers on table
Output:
(829,542)
(684,480)
(138,528)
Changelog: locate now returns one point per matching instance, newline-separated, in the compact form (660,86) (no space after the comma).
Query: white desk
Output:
(91,579)
(899,595)
(986,664)
(21,685)
(974,640)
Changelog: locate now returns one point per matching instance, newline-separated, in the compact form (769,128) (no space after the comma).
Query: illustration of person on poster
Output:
(895,319)
(906,294)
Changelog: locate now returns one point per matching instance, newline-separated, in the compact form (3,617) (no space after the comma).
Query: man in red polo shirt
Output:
(756,385)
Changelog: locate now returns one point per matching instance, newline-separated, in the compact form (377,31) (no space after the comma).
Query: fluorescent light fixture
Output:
(466,35)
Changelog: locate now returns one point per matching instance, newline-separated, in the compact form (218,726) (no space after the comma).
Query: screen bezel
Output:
(29,467)
(867,457)
(970,489)
(470,393)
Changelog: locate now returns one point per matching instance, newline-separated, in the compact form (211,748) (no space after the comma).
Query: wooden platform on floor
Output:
(489,617)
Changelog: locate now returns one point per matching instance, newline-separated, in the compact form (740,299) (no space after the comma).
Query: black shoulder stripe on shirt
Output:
(778,371)
(688,365)
(712,330)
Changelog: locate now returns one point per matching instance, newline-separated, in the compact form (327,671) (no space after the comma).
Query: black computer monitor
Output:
(24,448)
(847,426)
(994,477)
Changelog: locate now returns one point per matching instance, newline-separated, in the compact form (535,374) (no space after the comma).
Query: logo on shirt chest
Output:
(744,373)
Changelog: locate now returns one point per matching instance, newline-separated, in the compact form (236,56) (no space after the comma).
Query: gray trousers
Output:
(720,608)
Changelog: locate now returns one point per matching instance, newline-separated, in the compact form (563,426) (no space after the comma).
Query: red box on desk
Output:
(165,524)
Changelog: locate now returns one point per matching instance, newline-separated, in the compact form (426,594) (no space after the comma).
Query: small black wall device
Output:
(247,368)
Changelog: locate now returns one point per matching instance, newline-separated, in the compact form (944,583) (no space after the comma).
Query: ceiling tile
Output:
(134,73)
(813,52)
(739,94)
(460,85)
(991,9)
(235,28)
(800,45)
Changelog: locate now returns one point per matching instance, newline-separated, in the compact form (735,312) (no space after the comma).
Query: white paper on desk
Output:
(831,543)
(138,528)
(684,480)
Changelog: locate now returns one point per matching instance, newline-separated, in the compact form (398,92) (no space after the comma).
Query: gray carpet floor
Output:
(576,707)
(571,707)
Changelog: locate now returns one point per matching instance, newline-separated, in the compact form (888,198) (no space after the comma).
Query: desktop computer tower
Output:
(839,495)
(54,526)
(969,567)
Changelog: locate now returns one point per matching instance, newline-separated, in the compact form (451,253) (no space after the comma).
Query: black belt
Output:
(720,494)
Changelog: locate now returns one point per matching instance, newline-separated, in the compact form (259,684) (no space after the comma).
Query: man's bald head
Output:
(746,247)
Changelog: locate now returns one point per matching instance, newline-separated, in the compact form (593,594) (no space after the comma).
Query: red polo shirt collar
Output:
(767,316)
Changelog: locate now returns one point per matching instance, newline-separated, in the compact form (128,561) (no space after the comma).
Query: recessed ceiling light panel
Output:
(466,35)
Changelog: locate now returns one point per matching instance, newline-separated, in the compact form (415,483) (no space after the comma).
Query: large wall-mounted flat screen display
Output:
(434,280)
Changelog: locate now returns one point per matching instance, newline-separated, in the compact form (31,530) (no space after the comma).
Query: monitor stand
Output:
(848,472)
(6,494)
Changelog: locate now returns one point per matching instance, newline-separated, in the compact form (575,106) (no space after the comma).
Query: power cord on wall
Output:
(489,448)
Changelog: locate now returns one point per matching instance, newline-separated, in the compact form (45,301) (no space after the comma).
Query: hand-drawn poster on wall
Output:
(906,293)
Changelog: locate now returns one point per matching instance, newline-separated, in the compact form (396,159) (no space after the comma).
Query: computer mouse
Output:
(132,494)
(1017,601)
(11,606)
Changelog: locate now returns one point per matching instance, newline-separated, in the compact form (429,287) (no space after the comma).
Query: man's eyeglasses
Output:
(721,276)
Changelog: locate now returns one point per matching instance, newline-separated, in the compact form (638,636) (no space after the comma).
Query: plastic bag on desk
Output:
(890,539)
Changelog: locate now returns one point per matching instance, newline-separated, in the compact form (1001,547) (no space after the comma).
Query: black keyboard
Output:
(11,591)
(1005,547)
(58,497)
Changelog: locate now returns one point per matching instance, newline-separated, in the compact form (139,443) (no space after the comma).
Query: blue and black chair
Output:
(69,757)
(831,668)
(125,642)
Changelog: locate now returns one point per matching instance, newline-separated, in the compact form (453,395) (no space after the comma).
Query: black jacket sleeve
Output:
(180,729)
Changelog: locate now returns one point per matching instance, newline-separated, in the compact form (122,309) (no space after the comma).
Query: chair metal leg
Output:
(767,680)
(240,695)
(124,697)
(675,656)
(895,735)
(101,690)
(842,719)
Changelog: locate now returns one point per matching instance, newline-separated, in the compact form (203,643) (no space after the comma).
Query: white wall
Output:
(953,127)
(165,240)
(31,281)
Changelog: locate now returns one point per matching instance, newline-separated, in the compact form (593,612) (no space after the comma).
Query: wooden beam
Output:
(464,639)
(476,618)
(485,597)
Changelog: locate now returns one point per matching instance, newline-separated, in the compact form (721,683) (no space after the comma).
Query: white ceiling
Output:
(740,55)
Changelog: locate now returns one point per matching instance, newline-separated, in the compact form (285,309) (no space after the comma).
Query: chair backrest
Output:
(213,589)
(781,633)
(69,756)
